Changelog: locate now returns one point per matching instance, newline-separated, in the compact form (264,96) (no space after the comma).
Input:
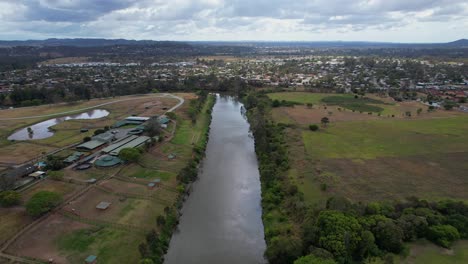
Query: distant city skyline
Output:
(415,21)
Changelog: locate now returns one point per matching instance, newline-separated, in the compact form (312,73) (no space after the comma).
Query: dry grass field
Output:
(369,157)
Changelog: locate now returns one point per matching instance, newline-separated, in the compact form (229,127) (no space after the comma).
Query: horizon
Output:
(235,41)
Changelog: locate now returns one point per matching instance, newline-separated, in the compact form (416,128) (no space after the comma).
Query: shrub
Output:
(86,139)
(443,235)
(99,131)
(130,154)
(42,202)
(313,127)
(9,198)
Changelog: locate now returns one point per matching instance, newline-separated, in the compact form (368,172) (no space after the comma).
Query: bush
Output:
(443,235)
(86,139)
(130,154)
(42,202)
(99,131)
(313,127)
(9,198)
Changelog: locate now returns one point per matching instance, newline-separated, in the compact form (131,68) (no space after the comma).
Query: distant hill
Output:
(79,42)
(458,43)
(91,42)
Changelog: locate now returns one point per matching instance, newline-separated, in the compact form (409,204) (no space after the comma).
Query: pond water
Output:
(41,130)
(221,221)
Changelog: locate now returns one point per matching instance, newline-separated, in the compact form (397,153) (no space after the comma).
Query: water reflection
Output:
(42,130)
(221,221)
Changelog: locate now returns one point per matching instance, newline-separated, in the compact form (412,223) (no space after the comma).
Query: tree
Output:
(419,111)
(325,121)
(130,154)
(9,198)
(338,233)
(449,105)
(276,103)
(152,127)
(54,163)
(311,259)
(42,202)
(283,249)
(309,105)
(388,236)
(313,127)
(443,235)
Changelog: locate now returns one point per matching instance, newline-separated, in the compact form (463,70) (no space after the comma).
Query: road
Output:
(181,101)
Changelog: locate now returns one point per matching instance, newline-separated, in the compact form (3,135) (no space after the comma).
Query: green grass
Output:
(109,245)
(422,252)
(350,102)
(146,173)
(344,100)
(371,139)
(299,97)
(79,240)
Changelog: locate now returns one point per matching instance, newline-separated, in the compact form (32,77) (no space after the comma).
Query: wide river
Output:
(221,221)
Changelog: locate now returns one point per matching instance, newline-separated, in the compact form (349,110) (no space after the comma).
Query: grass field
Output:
(299,97)
(369,157)
(422,252)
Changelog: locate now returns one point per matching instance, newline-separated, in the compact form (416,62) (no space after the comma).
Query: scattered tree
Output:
(313,127)
(325,121)
(42,202)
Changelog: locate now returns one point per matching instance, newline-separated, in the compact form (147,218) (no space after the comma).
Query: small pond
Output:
(41,130)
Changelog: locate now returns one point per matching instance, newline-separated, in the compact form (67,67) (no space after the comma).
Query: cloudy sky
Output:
(308,20)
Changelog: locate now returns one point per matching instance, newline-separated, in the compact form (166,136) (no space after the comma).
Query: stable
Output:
(131,141)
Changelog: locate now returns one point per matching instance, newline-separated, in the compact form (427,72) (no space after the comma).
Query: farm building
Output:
(73,157)
(131,120)
(163,120)
(141,119)
(108,161)
(131,141)
(90,145)
(21,171)
(37,174)
(97,141)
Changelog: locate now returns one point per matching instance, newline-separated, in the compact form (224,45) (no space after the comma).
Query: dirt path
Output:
(181,101)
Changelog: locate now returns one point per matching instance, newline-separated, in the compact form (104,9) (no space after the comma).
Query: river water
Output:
(41,130)
(221,221)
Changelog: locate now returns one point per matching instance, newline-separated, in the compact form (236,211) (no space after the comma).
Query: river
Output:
(221,221)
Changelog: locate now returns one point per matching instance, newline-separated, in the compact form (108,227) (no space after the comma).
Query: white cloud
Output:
(376,20)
